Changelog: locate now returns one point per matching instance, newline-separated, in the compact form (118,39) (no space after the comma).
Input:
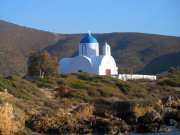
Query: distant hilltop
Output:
(133,52)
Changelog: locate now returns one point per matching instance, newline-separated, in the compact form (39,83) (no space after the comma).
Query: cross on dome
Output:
(89,32)
(88,39)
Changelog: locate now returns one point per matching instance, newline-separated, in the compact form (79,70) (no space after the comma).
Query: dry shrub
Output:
(84,111)
(5,96)
(141,110)
(158,106)
(59,123)
(63,91)
(63,121)
(8,123)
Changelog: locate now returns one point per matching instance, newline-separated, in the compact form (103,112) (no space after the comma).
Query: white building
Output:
(135,77)
(89,60)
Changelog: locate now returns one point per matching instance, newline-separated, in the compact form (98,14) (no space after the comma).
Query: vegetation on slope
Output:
(92,86)
(135,50)
(16,45)
(20,88)
(42,64)
(83,103)
(172,78)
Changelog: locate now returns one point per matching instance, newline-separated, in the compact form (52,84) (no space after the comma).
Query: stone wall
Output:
(135,77)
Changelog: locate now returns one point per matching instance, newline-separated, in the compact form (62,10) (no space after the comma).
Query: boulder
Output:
(109,126)
(178,125)
(164,128)
(131,118)
(171,117)
(145,128)
(150,122)
(150,117)
(171,101)
(102,107)
(152,128)
(124,109)
(177,116)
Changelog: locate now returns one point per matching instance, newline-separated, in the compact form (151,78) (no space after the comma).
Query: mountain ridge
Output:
(135,50)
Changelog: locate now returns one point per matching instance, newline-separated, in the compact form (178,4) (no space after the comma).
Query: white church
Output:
(91,61)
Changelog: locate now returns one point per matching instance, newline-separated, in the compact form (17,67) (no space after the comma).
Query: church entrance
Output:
(108,72)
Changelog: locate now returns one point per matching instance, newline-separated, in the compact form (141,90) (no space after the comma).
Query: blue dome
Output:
(88,39)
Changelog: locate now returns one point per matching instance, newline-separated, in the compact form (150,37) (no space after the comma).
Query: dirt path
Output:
(49,93)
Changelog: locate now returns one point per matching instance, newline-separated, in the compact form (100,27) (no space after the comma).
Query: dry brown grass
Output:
(8,122)
(63,91)
(140,111)
(84,112)
(63,121)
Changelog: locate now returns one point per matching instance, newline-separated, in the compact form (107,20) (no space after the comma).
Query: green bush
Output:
(124,87)
(169,82)
(171,78)
(79,85)
(4,83)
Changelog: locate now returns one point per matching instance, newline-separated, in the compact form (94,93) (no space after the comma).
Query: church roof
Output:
(88,39)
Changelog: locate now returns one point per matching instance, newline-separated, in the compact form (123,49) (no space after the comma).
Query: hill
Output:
(132,51)
(85,103)
(16,44)
(136,52)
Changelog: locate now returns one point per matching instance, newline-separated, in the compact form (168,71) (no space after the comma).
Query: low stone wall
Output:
(135,77)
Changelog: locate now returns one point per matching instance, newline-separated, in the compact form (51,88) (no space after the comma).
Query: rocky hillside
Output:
(136,52)
(87,104)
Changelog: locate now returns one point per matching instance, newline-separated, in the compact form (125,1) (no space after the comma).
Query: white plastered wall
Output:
(75,64)
(108,62)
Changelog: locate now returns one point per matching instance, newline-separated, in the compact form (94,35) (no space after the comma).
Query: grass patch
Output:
(20,88)
(171,78)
